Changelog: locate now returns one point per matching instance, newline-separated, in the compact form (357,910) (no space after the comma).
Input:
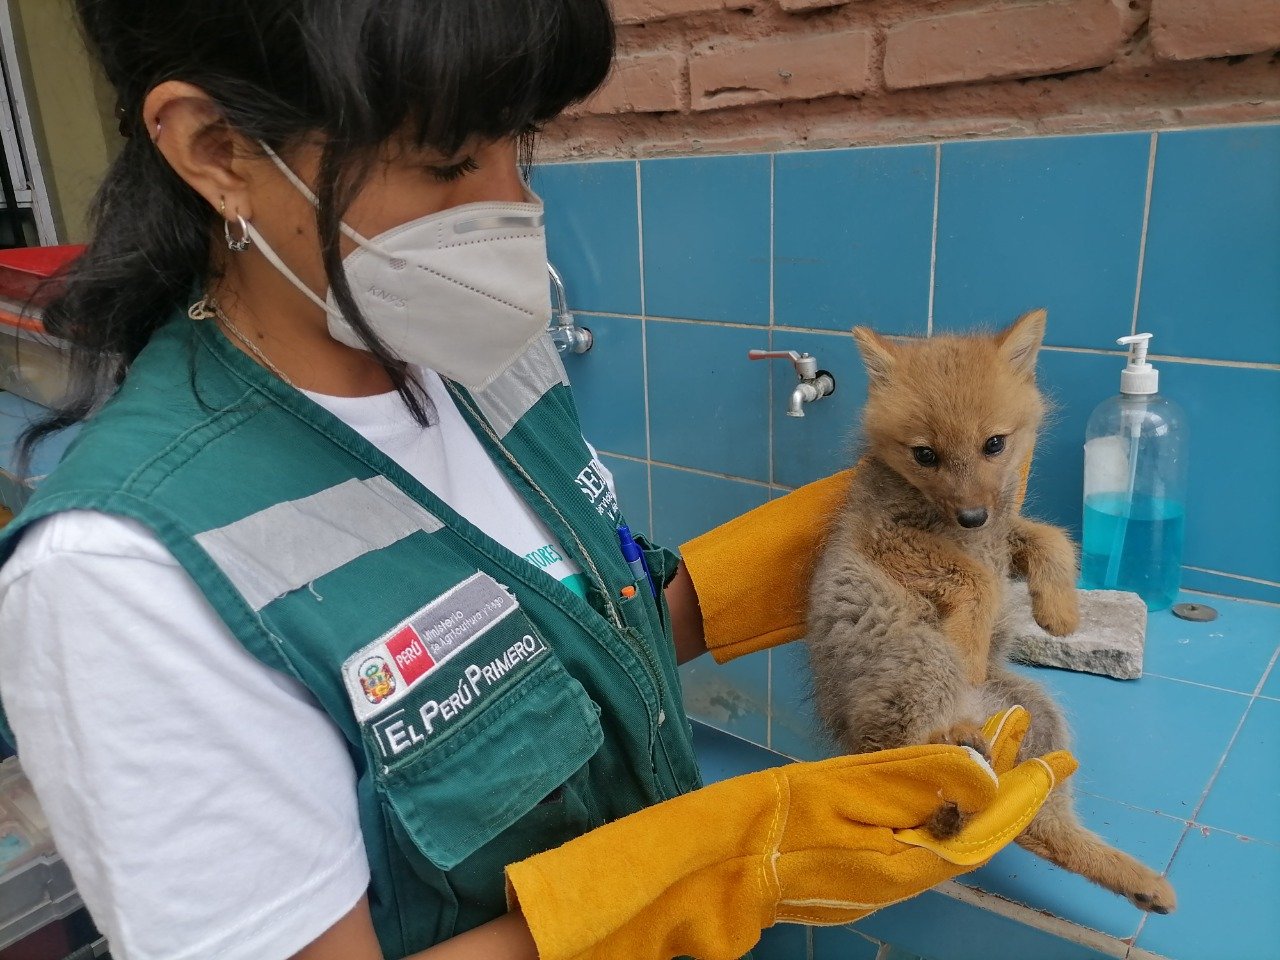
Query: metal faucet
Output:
(814,383)
(565,333)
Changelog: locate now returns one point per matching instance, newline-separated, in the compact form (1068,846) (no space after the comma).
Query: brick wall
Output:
(696,76)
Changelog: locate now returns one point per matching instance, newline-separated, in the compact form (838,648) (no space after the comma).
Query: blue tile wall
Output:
(733,697)
(1053,222)
(593,234)
(1073,383)
(794,729)
(608,385)
(789,251)
(1211,581)
(686,504)
(706,238)
(853,233)
(1211,282)
(1233,511)
(704,398)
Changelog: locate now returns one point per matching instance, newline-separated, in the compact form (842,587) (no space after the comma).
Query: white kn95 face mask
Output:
(463,292)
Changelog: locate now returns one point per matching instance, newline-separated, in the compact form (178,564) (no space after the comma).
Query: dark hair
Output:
(356,71)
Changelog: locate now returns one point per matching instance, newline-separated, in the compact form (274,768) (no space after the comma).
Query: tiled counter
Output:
(1181,768)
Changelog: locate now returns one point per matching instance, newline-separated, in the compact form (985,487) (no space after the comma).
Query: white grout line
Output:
(1229,597)
(1257,691)
(1194,823)
(1094,351)
(1195,683)
(1195,813)
(621,456)
(1142,238)
(710,473)
(1235,576)
(644,352)
(768,699)
(1133,806)
(933,242)
(772,177)
(1208,362)
(772,319)
(781,488)
(1166,358)
(640,235)
(768,675)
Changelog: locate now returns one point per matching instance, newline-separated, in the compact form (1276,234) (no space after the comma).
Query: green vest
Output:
(491,712)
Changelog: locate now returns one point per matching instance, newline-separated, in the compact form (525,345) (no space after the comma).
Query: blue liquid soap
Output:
(1135,485)
(1144,539)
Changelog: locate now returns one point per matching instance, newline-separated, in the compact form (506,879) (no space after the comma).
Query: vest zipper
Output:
(655,672)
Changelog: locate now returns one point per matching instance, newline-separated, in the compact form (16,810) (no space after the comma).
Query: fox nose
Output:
(972,517)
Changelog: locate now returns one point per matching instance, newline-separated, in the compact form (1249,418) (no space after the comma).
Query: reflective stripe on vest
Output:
(286,546)
(513,394)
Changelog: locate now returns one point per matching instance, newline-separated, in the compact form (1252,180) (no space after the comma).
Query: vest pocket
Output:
(493,752)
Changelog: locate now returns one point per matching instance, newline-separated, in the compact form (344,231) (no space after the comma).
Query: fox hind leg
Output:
(1057,836)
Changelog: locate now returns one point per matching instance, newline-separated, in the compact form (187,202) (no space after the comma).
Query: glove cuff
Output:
(752,574)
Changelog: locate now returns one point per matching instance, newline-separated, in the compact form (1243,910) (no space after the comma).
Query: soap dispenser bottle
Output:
(1135,477)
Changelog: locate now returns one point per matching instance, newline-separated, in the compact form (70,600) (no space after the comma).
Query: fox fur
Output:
(905,629)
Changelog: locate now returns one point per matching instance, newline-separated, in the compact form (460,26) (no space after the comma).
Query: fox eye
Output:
(925,456)
(993,445)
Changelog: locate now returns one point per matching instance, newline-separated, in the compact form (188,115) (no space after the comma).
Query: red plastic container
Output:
(32,364)
(24,269)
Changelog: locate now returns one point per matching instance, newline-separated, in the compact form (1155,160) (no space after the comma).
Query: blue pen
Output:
(634,556)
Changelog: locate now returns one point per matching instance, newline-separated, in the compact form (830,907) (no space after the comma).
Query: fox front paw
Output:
(1057,611)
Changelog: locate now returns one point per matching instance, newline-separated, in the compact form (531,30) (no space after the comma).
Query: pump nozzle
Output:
(1139,377)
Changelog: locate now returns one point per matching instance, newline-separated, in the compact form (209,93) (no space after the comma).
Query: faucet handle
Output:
(806,365)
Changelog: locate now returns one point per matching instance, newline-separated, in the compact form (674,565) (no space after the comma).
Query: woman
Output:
(273,652)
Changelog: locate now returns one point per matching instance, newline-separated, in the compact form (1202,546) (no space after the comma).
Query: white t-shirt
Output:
(204,802)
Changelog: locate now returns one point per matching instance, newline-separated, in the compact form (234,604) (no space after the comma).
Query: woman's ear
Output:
(189,130)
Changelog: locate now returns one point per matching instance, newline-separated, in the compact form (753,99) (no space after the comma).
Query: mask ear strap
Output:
(303,189)
(292,177)
(274,259)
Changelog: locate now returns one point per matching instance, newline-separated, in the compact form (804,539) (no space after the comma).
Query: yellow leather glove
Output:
(752,574)
(821,843)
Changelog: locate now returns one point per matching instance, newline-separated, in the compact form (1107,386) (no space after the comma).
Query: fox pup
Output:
(904,625)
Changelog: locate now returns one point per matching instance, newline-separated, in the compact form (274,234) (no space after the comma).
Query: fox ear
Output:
(878,355)
(1020,343)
